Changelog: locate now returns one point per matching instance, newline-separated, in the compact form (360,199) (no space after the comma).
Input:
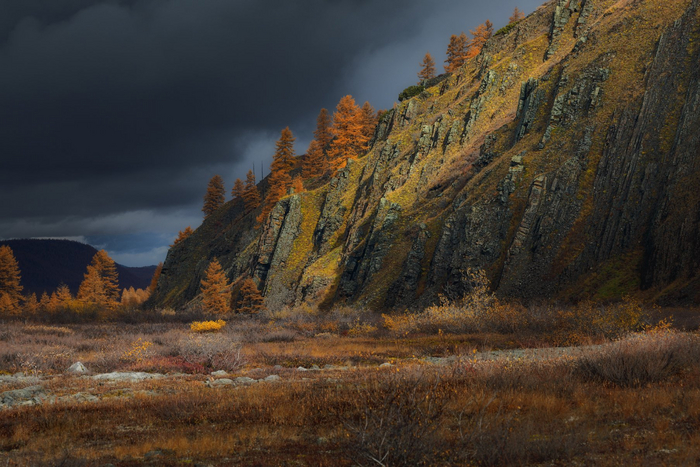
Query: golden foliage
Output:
(427,70)
(349,131)
(182,235)
(207,326)
(482,34)
(138,350)
(215,196)
(238,189)
(132,298)
(516,16)
(283,162)
(215,289)
(156,275)
(314,164)
(250,300)
(456,52)
(10,281)
(100,285)
(251,195)
(323,133)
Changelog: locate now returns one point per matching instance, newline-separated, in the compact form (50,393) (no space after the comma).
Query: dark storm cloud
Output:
(110,108)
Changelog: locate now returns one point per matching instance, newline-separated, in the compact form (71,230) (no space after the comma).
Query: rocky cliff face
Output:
(563,161)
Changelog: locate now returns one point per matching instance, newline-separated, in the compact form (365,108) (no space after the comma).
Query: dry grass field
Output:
(349,388)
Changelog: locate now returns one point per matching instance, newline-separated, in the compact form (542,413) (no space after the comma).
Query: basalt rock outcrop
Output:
(564,161)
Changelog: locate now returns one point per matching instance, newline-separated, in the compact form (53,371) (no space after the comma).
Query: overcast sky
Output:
(115,114)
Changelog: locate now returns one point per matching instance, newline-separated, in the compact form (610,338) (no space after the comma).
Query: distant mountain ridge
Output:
(45,264)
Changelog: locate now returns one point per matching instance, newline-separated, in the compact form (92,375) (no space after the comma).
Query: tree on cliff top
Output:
(181,235)
(456,52)
(215,196)
(350,140)
(427,67)
(516,16)
(283,162)
(251,195)
(482,34)
(323,133)
(238,189)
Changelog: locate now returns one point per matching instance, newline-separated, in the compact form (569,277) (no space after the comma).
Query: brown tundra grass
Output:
(635,399)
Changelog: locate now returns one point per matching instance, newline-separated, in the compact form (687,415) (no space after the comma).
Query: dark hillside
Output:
(45,264)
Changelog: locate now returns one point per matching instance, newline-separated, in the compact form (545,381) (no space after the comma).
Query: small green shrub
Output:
(506,29)
(411,91)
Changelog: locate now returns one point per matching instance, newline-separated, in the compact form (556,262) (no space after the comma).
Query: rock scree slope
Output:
(563,160)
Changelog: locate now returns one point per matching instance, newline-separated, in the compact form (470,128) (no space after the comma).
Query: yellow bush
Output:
(138,350)
(207,326)
(361,329)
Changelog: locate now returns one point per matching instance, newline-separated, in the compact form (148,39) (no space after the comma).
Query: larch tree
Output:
(215,196)
(297,185)
(182,235)
(314,164)
(31,304)
(45,302)
(349,140)
(109,275)
(456,52)
(238,189)
(100,284)
(283,162)
(251,195)
(216,289)
(516,16)
(154,280)
(250,299)
(480,36)
(323,133)
(369,124)
(91,289)
(10,281)
(427,66)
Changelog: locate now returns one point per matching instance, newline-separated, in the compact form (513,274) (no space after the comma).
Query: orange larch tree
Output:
(427,66)
(215,196)
(314,164)
(369,124)
(181,235)
(31,304)
(251,195)
(297,185)
(10,281)
(517,16)
(456,52)
(250,299)
(100,284)
(238,189)
(323,133)
(482,34)
(283,162)
(349,140)
(216,289)
(91,289)
(154,280)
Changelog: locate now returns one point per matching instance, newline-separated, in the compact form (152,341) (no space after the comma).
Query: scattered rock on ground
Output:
(219,373)
(272,378)
(244,380)
(132,376)
(77,368)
